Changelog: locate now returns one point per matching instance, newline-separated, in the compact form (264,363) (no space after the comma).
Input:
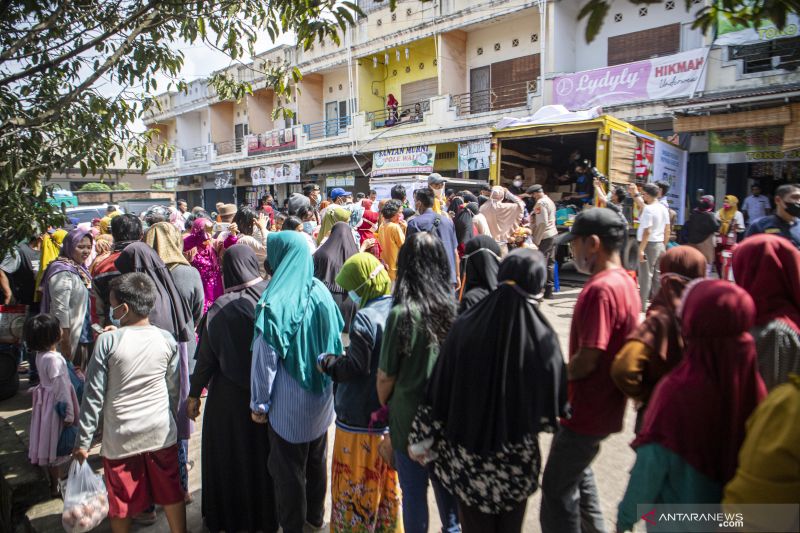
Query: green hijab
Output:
(296,315)
(366,275)
(333,215)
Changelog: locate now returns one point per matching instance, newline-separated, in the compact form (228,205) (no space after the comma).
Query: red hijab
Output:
(365,231)
(699,410)
(768,267)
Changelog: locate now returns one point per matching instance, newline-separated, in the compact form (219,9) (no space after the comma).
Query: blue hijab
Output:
(296,315)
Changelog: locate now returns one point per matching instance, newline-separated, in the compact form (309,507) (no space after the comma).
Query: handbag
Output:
(69,434)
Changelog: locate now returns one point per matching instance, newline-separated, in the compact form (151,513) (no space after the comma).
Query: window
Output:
(508,81)
(778,54)
(645,44)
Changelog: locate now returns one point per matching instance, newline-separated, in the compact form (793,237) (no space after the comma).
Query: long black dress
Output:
(328,260)
(238,493)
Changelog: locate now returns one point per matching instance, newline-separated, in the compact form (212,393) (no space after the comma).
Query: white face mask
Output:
(517,183)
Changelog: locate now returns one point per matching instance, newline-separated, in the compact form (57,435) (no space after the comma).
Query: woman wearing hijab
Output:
(166,240)
(730,229)
(170,313)
(695,423)
(51,248)
(238,492)
(366,232)
(333,215)
(500,380)
(503,217)
(464,225)
(417,325)
(296,320)
(364,488)
(66,285)
(768,459)
(205,259)
(701,228)
(656,346)
(103,245)
(768,268)
(328,259)
(479,265)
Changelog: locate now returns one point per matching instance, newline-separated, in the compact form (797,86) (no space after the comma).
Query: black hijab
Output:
(229,324)
(170,312)
(463,223)
(500,375)
(329,258)
(479,265)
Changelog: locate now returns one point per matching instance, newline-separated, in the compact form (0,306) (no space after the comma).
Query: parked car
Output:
(86,213)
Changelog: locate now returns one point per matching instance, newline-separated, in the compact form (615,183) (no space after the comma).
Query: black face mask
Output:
(793,208)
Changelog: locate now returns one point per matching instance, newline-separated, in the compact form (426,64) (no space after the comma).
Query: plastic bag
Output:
(85,499)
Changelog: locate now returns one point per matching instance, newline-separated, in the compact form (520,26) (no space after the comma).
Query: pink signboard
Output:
(654,79)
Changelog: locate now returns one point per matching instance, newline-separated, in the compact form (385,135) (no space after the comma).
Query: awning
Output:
(758,118)
(337,165)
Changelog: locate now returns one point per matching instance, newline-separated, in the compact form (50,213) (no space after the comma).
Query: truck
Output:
(542,148)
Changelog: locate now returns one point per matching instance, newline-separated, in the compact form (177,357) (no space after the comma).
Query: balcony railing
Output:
(503,97)
(404,114)
(326,128)
(229,147)
(271,141)
(198,153)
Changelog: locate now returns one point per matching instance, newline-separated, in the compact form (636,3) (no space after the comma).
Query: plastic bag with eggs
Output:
(85,499)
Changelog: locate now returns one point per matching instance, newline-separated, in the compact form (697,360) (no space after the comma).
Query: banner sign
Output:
(730,33)
(657,160)
(750,145)
(340,181)
(653,79)
(275,174)
(473,155)
(410,160)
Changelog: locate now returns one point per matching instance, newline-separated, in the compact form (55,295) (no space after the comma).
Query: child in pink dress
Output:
(54,392)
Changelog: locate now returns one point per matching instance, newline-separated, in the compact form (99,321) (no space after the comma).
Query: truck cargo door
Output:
(622,157)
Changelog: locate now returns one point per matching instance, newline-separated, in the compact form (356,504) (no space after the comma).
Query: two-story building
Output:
(418,90)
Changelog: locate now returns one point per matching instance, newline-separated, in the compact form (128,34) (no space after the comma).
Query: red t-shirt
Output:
(607,311)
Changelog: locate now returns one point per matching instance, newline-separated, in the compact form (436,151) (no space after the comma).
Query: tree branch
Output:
(45,24)
(74,52)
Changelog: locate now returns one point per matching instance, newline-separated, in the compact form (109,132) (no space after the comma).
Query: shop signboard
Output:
(275,174)
(732,33)
(408,160)
(657,160)
(340,181)
(672,76)
(749,145)
(473,155)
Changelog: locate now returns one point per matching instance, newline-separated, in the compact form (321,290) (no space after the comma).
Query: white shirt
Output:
(654,217)
(756,207)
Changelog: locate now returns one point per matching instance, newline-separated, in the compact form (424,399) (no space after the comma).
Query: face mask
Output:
(308,227)
(792,208)
(726,206)
(117,322)
(517,183)
(355,297)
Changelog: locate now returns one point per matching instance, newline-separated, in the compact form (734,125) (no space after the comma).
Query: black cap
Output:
(534,188)
(599,221)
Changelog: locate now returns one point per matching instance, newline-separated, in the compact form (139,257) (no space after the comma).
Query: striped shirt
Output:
(778,348)
(296,414)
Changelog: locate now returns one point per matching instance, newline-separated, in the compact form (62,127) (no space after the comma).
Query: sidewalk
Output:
(611,466)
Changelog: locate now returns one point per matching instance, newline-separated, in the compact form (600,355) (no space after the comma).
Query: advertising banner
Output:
(730,33)
(473,155)
(662,161)
(653,79)
(645,154)
(750,145)
(274,174)
(410,160)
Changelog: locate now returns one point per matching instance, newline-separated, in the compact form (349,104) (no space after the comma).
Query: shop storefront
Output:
(280,180)
(344,172)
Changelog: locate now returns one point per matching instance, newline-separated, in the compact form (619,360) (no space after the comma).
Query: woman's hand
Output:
(261,221)
(367,244)
(80,455)
(192,407)
(233,229)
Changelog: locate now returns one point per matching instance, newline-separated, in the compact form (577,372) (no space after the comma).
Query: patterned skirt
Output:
(366,493)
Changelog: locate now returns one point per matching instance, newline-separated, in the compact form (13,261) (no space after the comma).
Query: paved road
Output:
(611,466)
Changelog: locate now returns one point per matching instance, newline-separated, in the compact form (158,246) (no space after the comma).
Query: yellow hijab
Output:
(726,216)
(166,240)
(51,247)
(332,216)
(105,222)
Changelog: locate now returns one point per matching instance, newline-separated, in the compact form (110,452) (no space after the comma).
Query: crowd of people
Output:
(413,327)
